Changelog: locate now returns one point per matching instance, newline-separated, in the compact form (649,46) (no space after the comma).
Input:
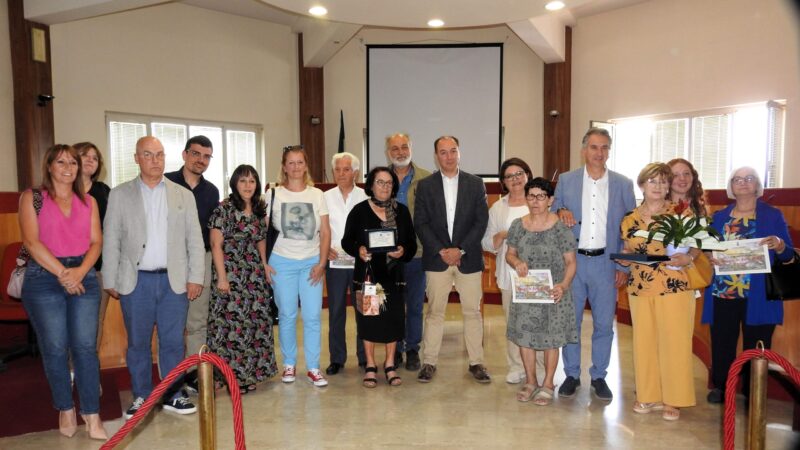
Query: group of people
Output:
(205,272)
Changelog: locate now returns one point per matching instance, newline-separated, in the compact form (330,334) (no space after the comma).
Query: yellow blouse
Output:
(647,280)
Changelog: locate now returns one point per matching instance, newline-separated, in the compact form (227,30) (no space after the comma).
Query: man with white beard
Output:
(398,152)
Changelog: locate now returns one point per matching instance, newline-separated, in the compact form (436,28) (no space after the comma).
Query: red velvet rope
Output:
(729,423)
(155,396)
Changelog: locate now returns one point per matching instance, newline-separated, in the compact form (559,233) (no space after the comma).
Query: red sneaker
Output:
(315,377)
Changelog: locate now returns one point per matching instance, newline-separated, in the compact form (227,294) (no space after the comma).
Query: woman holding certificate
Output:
(662,306)
(539,241)
(739,300)
(380,235)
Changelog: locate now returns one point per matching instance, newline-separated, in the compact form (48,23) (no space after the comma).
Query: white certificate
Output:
(741,257)
(382,240)
(534,288)
(343,260)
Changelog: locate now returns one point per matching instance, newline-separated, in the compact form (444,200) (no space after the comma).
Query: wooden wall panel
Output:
(33,124)
(557,97)
(312,105)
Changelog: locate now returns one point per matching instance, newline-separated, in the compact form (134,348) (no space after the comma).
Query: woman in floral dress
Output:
(239,326)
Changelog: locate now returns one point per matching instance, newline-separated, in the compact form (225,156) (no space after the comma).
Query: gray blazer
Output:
(471,218)
(569,194)
(125,235)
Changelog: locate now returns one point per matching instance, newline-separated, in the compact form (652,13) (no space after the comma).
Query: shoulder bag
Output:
(17,278)
(782,283)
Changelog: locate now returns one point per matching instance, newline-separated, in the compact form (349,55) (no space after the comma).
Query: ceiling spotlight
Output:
(554,5)
(435,23)
(318,11)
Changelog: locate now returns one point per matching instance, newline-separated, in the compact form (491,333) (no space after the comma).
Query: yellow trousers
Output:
(662,348)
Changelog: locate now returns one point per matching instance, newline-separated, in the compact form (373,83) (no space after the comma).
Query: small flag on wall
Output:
(341,131)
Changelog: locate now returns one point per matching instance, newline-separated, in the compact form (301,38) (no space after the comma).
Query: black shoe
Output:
(480,374)
(568,387)
(716,396)
(137,403)
(180,405)
(425,374)
(601,390)
(412,360)
(334,368)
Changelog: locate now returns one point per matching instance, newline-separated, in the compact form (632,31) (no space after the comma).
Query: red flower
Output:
(681,207)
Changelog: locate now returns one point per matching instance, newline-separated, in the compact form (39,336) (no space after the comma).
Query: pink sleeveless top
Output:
(62,235)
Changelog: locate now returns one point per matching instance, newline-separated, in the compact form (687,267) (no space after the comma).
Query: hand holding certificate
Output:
(381,240)
(741,257)
(536,287)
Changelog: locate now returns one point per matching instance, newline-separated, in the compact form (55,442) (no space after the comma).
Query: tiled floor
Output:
(451,412)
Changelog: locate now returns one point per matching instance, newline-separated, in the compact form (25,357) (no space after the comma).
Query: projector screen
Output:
(428,91)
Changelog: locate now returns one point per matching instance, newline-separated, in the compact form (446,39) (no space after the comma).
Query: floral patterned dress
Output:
(239,326)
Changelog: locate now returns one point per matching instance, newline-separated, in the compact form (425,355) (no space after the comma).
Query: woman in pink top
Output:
(60,291)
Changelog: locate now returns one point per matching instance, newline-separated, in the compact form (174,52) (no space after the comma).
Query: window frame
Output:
(147,120)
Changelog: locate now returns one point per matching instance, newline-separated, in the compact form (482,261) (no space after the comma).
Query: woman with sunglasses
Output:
(739,301)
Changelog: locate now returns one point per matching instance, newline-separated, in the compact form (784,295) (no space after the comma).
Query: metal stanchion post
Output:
(757,420)
(208,420)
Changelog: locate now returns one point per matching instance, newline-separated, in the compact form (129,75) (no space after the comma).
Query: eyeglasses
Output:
(540,196)
(517,174)
(742,180)
(657,181)
(290,148)
(382,183)
(195,154)
(151,156)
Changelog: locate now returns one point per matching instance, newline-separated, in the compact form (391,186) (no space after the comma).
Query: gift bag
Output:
(368,298)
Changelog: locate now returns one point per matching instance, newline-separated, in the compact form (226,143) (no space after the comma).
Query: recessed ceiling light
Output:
(318,11)
(554,6)
(436,23)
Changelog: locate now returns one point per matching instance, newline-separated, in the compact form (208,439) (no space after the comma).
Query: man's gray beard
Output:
(405,163)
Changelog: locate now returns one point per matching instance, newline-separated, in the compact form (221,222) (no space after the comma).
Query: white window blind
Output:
(669,140)
(710,144)
(241,149)
(122,139)
(775,124)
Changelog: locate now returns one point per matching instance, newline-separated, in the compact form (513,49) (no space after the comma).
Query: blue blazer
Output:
(569,194)
(760,311)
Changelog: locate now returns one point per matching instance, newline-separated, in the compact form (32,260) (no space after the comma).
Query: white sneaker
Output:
(315,377)
(516,377)
(288,374)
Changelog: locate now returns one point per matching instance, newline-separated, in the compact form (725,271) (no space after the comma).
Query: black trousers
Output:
(729,318)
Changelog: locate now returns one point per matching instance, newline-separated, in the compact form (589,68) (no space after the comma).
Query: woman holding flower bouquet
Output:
(662,305)
(384,322)
(686,187)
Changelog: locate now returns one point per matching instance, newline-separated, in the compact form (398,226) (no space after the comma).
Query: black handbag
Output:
(783,282)
(272,232)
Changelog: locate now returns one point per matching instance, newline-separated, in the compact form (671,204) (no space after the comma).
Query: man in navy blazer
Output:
(450,217)
(592,201)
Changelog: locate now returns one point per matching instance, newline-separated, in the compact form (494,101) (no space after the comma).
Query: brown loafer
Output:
(479,373)
(425,374)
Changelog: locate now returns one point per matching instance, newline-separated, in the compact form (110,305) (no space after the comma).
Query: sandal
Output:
(527,392)
(645,408)
(670,413)
(392,380)
(543,396)
(370,381)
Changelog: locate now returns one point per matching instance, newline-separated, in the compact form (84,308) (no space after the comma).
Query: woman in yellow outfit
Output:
(662,306)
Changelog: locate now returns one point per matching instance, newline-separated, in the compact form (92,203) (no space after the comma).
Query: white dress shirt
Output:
(450,186)
(155,211)
(339,209)
(594,213)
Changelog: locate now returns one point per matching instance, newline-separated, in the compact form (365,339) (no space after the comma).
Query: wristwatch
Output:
(463,252)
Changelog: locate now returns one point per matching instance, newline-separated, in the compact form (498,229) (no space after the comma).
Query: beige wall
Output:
(179,61)
(345,89)
(666,56)
(8,145)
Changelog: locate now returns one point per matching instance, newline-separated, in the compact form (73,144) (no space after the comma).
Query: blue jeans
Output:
(415,301)
(339,281)
(65,325)
(594,280)
(289,282)
(153,303)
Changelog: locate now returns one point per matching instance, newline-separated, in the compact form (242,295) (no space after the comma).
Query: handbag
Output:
(782,283)
(14,288)
(700,272)
(272,232)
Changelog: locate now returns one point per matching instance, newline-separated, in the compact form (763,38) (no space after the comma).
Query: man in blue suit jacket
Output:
(450,217)
(592,201)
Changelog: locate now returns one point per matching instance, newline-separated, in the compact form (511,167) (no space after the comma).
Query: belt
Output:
(162,270)
(591,252)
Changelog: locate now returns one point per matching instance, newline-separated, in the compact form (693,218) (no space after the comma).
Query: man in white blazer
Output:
(153,261)
(592,201)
